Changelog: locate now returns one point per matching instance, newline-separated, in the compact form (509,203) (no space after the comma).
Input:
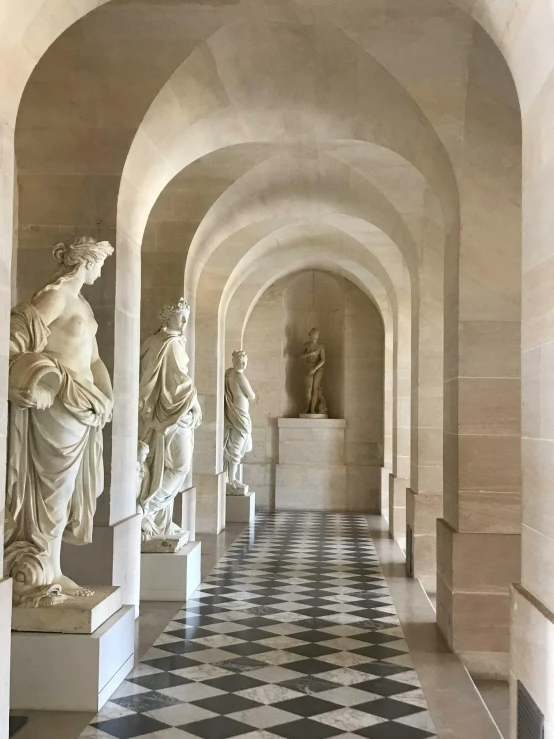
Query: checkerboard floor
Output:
(292,636)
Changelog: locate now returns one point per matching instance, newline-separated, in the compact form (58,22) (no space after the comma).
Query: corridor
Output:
(293,634)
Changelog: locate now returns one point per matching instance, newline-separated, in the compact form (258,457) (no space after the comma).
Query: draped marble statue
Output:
(169,413)
(314,359)
(238,426)
(61,398)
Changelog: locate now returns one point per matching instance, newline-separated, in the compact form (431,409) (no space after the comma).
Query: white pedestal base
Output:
(241,508)
(311,474)
(72,672)
(72,616)
(232,490)
(172,577)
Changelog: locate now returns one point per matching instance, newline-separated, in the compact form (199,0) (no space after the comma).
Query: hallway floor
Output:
(294,634)
(305,626)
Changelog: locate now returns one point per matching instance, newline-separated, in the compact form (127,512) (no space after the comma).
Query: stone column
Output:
(399,479)
(424,497)
(387,425)
(6,233)
(532,660)
(478,539)
(207,357)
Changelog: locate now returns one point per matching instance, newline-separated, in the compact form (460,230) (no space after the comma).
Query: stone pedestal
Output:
(241,508)
(167,545)
(171,577)
(72,616)
(311,473)
(72,672)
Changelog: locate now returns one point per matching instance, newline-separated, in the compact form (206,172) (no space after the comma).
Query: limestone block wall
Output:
(352,331)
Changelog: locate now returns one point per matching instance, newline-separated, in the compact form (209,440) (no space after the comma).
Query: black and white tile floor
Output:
(292,636)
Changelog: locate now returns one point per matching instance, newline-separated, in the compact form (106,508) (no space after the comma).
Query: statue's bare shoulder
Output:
(50,304)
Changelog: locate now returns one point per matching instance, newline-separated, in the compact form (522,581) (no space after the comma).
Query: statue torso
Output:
(72,335)
(312,353)
(239,398)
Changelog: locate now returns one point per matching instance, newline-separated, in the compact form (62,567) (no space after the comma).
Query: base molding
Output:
(422,512)
(487,665)
(72,672)
(474,575)
(171,577)
(385,492)
(397,508)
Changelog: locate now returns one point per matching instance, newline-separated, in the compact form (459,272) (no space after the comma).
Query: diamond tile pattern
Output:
(294,635)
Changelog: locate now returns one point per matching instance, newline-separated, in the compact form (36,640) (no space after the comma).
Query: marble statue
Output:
(61,398)
(169,413)
(238,426)
(314,358)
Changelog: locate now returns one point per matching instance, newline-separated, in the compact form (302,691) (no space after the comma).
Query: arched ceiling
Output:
(282,88)
(304,184)
(251,118)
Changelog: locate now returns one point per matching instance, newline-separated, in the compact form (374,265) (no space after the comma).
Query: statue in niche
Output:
(238,425)
(61,398)
(169,413)
(313,357)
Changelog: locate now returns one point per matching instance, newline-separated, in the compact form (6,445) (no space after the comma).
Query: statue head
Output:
(175,317)
(240,359)
(85,254)
(314,334)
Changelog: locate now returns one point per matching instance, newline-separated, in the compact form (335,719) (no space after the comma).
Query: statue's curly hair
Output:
(165,313)
(238,353)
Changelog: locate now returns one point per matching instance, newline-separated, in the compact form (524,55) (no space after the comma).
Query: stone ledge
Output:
(329,423)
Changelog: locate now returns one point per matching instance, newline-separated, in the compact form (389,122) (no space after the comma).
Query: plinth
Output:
(71,656)
(240,508)
(171,577)
(311,474)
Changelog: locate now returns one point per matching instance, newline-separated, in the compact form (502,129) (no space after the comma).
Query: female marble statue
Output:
(61,398)
(238,426)
(169,413)
(314,358)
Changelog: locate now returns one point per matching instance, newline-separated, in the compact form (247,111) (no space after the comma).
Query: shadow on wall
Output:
(295,385)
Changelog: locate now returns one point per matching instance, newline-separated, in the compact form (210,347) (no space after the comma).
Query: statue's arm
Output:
(321,362)
(100,373)
(246,388)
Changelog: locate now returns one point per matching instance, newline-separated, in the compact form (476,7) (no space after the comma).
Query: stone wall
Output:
(352,331)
